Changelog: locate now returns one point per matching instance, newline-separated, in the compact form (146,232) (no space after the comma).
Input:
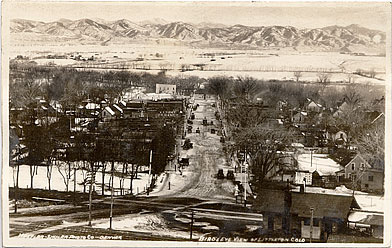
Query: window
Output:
(316,222)
(353,166)
(370,178)
(307,222)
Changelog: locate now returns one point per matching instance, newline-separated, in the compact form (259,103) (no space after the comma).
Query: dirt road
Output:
(206,157)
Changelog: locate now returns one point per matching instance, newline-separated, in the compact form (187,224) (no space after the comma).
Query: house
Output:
(321,163)
(299,117)
(165,88)
(329,213)
(108,114)
(343,108)
(364,176)
(336,136)
(312,106)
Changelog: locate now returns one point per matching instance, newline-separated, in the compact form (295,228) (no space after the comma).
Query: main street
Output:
(165,213)
(206,158)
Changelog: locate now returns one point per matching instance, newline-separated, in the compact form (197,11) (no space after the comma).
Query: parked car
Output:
(197,130)
(184,161)
(212,130)
(220,174)
(192,116)
(230,175)
(187,144)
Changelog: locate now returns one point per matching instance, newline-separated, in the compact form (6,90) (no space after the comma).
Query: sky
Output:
(301,15)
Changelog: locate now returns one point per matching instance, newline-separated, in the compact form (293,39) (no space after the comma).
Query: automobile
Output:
(192,116)
(220,174)
(205,121)
(222,139)
(230,174)
(189,122)
(184,161)
(212,130)
(187,144)
(197,130)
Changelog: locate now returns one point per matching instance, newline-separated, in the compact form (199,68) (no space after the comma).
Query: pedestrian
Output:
(236,191)
(169,185)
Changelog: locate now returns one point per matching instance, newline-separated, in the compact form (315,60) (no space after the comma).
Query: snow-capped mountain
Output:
(328,38)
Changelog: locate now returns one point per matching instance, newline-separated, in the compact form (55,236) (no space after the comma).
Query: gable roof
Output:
(109,110)
(324,205)
(270,201)
(378,117)
(361,158)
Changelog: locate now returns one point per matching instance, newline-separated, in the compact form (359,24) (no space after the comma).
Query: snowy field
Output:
(57,181)
(262,64)
(148,223)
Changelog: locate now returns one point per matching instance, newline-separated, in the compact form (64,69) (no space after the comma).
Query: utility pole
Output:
(111,198)
(311,157)
(311,224)
(90,199)
(149,174)
(245,172)
(191,225)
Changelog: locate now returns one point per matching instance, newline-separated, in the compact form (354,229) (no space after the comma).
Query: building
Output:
(372,222)
(165,88)
(313,106)
(291,212)
(364,176)
(275,207)
(329,213)
(300,117)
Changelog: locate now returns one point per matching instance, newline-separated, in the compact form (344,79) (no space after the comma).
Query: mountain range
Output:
(97,30)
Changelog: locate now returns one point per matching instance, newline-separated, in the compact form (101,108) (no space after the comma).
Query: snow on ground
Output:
(370,202)
(146,223)
(57,181)
(318,162)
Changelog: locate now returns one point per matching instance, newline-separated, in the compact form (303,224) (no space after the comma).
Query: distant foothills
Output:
(337,38)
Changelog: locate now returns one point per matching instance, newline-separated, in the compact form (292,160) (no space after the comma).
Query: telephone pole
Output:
(311,225)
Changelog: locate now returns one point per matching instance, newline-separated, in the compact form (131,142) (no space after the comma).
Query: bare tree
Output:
(243,114)
(372,73)
(220,86)
(245,87)
(371,144)
(263,147)
(65,171)
(297,75)
(323,78)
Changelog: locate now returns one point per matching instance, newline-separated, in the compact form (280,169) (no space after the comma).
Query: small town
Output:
(192,159)
(197,124)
